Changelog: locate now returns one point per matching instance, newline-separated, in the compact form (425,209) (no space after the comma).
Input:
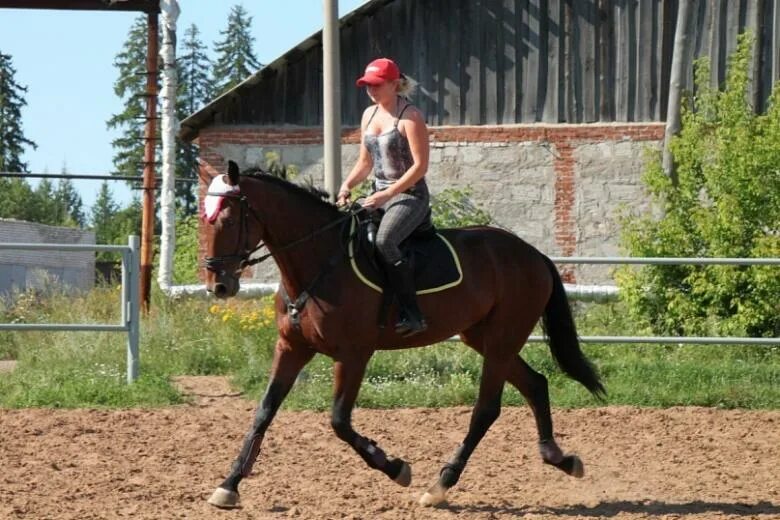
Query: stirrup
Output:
(407,327)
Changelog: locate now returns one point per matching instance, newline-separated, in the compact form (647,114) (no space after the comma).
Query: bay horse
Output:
(507,286)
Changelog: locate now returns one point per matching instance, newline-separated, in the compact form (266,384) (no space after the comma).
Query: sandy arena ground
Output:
(681,463)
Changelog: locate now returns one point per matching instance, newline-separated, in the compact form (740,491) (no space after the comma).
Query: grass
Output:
(199,337)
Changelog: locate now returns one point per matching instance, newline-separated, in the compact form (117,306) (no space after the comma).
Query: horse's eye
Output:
(228,221)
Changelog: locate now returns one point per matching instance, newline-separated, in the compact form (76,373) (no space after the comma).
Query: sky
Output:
(65,59)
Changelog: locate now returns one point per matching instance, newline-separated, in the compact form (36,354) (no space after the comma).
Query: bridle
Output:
(242,254)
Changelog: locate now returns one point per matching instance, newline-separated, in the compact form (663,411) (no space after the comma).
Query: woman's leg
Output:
(403,214)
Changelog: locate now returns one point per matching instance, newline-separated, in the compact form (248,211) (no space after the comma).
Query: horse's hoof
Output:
(577,469)
(405,477)
(571,465)
(436,495)
(224,499)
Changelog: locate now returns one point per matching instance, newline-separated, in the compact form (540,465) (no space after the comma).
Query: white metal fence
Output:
(597,293)
(130,301)
(129,320)
(703,340)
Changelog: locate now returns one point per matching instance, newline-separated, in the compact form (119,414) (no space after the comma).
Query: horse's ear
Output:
(233,173)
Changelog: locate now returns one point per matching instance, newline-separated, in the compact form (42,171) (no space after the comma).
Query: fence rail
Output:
(129,321)
(661,260)
(598,293)
(688,340)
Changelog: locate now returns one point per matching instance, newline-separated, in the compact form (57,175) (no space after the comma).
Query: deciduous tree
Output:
(726,203)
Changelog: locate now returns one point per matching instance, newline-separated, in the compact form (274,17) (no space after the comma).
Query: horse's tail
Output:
(558,325)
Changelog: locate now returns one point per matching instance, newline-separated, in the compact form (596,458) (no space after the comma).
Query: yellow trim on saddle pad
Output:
(374,286)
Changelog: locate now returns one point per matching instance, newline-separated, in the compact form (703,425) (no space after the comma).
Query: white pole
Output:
(132,313)
(170,13)
(331,113)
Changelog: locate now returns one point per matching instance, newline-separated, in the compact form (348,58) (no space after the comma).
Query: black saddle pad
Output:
(436,264)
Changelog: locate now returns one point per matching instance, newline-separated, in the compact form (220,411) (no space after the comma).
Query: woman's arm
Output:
(360,170)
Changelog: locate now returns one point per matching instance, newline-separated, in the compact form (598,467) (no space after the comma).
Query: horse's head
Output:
(230,238)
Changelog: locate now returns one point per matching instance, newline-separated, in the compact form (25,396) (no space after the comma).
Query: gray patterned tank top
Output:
(392,156)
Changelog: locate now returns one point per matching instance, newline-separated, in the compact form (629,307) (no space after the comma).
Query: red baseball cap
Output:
(379,71)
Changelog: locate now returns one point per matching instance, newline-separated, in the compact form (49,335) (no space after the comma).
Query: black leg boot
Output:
(411,321)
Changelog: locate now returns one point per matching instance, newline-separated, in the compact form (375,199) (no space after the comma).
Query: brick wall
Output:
(560,187)
(20,268)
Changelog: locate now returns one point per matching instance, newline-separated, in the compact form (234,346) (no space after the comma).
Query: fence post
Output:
(132,303)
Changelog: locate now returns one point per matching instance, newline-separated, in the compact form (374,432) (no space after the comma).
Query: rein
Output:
(214,263)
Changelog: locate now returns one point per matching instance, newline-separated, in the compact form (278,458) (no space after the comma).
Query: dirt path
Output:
(681,463)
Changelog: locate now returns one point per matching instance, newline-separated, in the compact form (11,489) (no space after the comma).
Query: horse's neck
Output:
(293,220)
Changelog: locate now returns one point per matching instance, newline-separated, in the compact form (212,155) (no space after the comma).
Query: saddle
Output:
(434,260)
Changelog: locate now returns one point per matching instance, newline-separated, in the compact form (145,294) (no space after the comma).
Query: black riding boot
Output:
(401,277)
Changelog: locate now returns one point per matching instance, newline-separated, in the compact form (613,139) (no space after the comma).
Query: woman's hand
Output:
(342,198)
(377,199)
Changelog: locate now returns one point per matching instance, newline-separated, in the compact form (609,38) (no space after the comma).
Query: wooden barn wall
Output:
(519,61)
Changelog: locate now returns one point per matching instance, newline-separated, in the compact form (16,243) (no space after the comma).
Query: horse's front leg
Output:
(348,375)
(288,362)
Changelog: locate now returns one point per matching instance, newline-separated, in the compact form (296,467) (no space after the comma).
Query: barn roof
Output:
(147,6)
(192,124)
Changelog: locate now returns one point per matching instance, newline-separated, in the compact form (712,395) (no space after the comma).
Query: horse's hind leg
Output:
(485,412)
(348,375)
(288,362)
(533,386)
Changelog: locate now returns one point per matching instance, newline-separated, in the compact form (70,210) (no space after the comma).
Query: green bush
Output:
(725,203)
(454,208)
(185,254)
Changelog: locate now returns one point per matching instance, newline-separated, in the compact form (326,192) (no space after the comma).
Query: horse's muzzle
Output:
(225,287)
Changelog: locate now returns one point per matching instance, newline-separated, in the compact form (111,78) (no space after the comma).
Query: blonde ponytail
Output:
(406,86)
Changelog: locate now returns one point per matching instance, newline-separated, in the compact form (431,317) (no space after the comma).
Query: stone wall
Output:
(20,268)
(559,187)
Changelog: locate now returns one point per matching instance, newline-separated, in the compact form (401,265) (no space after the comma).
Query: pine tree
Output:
(12,139)
(127,221)
(102,215)
(45,204)
(131,88)
(195,89)
(16,199)
(70,207)
(16,195)
(235,57)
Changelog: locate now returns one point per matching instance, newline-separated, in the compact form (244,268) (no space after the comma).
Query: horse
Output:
(507,287)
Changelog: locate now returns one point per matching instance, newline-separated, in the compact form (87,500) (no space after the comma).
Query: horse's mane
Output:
(306,188)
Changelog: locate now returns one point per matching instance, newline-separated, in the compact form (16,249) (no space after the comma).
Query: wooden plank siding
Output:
(486,62)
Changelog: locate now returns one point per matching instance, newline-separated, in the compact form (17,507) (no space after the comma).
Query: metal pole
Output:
(147,222)
(130,312)
(661,340)
(75,176)
(331,113)
(661,260)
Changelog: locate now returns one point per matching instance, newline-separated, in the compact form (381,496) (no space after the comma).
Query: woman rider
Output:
(395,147)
